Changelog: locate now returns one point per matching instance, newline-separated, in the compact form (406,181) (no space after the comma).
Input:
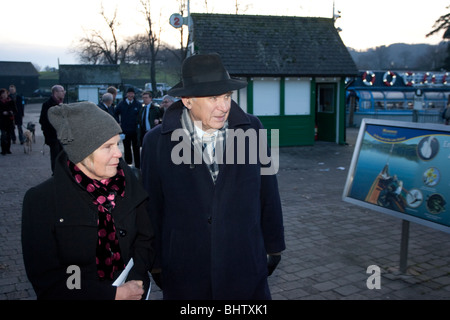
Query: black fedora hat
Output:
(204,75)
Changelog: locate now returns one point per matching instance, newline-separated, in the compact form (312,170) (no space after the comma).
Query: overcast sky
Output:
(44,31)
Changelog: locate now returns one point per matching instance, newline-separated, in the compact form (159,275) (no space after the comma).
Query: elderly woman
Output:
(81,227)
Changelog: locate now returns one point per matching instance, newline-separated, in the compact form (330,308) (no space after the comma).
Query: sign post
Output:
(176,20)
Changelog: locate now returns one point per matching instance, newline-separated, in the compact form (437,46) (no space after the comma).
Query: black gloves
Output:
(272,262)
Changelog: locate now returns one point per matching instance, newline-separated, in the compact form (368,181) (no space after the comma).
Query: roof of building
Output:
(273,45)
(89,74)
(16,68)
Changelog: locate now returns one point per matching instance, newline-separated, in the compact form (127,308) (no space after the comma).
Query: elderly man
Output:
(51,139)
(218,221)
(166,102)
(107,103)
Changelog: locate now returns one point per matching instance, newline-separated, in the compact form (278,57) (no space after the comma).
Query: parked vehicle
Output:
(42,93)
(161,88)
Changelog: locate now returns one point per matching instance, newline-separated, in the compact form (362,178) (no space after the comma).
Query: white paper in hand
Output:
(123,277)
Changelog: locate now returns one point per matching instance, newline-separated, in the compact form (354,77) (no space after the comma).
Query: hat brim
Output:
(207,89)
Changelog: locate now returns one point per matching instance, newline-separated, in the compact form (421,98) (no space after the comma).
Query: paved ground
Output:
(330,243)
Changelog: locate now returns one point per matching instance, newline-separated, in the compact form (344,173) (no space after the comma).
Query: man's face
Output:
(147,99)
(130,95)
(166,103)
(212,111)
(59,94)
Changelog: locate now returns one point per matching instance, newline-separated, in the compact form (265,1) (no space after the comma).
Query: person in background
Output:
(127,111)
(107,103)
(49,132)
(91,214)
(148,117)
(18,117)
(218,221)
(113,91)
(7,111)
(167,102)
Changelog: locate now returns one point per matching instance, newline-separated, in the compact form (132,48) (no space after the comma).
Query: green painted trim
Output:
(342,114)
(250,95)
(313,97)
(282,98)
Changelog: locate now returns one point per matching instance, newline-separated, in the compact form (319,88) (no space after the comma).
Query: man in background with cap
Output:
(127,111)
(218,223)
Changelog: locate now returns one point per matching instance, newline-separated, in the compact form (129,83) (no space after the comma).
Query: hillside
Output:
(401,56)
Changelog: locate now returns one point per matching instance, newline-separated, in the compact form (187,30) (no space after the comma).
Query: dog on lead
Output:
(28,141)
(32,128)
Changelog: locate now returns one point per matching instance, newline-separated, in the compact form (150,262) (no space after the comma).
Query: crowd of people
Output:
(11,116)
(201,230)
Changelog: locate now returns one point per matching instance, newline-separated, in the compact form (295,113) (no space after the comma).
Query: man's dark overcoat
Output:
(211,239)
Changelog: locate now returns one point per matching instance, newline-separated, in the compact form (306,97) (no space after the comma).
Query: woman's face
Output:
(103,162)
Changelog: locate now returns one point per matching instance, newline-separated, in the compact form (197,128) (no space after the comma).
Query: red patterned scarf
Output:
(104,194)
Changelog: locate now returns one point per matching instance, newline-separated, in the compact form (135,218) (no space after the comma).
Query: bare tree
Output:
(179,53)
(183,47)
(238,7)
(152,40)
(443,23)
(95,48)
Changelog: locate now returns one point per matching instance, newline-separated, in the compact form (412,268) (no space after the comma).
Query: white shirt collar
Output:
(200,132)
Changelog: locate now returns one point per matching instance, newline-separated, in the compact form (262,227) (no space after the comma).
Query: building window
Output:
(240,96)
(297,96)
(266,96)
(325,96)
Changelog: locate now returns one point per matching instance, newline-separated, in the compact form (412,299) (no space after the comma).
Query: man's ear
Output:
(187,102)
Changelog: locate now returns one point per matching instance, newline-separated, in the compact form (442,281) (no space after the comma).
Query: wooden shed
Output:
(87,82)
(295,68)
(21,74)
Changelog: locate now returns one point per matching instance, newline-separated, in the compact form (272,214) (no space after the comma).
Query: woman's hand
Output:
(130,290)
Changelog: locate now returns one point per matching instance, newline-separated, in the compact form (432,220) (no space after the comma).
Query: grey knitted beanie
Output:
(82,128)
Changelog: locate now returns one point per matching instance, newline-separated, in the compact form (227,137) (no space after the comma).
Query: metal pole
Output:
(405,228)
(190,34)
(189,15)
(415,115)
(404,246)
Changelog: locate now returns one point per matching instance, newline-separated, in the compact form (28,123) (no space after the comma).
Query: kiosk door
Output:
(326,112)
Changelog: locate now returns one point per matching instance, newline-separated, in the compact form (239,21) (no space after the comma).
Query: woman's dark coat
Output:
(7,121)
(59,229)
(211,239)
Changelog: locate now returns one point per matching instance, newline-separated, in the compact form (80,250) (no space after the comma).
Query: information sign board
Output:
(402,169)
